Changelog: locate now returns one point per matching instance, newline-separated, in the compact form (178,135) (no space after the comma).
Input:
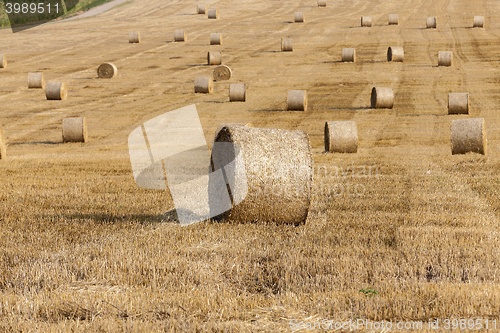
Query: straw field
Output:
(400,231)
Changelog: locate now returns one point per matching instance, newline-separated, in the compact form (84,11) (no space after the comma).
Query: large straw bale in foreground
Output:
(278,168)
(468,135)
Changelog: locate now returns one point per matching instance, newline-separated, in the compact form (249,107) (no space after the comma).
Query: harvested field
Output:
(400,231)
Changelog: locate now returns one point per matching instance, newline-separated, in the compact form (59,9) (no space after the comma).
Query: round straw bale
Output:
(107,71)
(237,92)
(458,103)
(204,85)
(213,14)
(431,22)
(382,98)
(134,37)
(74,129)
(478,22)
(3,148)
(215,39)
(180,36)
(272,175)
(56,91)
(286,45)
(341,137)
(214,58)
(393,19)
(299,17)
(366,21)
(297,100)
(201,9)
(445,58)
(349,54)
(3,61)
(468,135)
(36,80)
(221,73)
(395,53)
(321,3)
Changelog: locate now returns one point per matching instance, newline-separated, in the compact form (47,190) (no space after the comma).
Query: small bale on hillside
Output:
(366,21)
(395,54)
(431,22)
(297,100)
(270,177)
(36,81)
(478,22)
(180,36)
(445,58)
(286,45)
(134,37)
(221,73)
(393,19)
(201,9)
(74,129)
(458,103)
(213,14)
(321,3)
(214,58)
(3,61)
(3,145)
(349,54)
(56,91)
(468,135)
(382,98)
(341,137)
(203,85)
(237,92)
(107,71)
(298,17)
(215,39)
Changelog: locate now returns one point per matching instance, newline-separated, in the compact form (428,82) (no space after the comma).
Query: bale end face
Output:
(382,98)
(36,81)
(107,71)
(222,73)
(3,61)
(341,137)
(458,103)
(297,100)
(237,92)
(366,21)
(349,55)
(203,85)
(468,135)
(74,129)
(395,54)
(299,17)
(56,91)
(478,22)
(134,37)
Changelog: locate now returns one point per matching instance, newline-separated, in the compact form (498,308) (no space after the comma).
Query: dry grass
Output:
(83,249)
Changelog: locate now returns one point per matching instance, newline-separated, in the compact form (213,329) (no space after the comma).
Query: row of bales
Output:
(285,152)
